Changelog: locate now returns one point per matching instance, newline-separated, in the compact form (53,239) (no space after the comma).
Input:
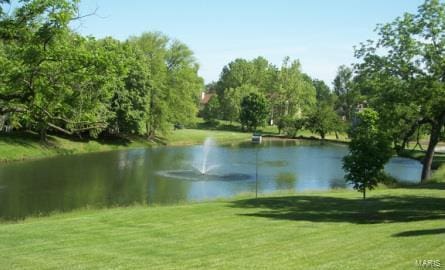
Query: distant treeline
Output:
(294,100)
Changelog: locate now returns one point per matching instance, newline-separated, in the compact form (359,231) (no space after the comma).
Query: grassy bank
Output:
(335,230)
(438,160)
(28,146)
(196,136)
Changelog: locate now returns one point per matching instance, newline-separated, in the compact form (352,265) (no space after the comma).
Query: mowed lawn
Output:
(325,230)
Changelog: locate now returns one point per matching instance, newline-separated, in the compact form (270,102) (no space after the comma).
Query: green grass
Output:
(267,130)
(196,136)
(439,175)
(332,230)
(21,146)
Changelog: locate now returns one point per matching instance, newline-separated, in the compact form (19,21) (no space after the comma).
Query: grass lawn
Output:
(331,230)
(196,136)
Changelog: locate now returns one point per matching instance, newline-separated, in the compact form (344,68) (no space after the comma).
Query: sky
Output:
(321,34)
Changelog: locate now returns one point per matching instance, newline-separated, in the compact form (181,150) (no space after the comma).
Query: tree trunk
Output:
(364,191)
(43,137)
(429,155)
(147,129)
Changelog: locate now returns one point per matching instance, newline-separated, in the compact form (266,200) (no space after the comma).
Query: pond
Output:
(166,175)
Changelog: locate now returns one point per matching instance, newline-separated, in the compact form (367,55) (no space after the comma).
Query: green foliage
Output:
(174,85)
(347,96)
(403,73)
(369,151)
(53,79)
(323,120)
(290,125)
(323,93)
(130,100)
(288,90)
(296,94)
(253,111)
(231,104)
(210,113)
(57,78)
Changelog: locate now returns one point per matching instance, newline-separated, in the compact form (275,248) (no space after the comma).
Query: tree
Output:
(253,111)
(174,84)
(295,93)
(210,113)
(130,101)
(405,70)
(290,125)
(347,95)
(154,48)
(369,151)
(323,120)
(241,77)
(323,93)
(232,101)
(183,83)
(57,79)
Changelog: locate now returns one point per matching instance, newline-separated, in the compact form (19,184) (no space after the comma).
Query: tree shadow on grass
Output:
(432,185)
(25,139)
(331,209)
(420,232)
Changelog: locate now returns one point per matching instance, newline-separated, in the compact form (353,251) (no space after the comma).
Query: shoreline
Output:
(26,147)
(63,146)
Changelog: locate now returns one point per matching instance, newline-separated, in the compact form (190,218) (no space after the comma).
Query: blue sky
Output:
(320,33)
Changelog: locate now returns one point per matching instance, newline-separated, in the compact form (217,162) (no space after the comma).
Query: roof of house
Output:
(205,98)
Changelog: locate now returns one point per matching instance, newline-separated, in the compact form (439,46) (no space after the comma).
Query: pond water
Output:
(166,175)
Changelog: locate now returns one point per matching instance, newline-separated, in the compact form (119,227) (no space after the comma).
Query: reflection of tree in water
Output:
(273,163)
(285,180)
(161,190)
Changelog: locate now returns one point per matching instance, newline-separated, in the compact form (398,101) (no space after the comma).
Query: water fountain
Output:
(201,164)
(204,168)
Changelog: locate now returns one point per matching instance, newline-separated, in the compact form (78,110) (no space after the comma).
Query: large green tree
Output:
(238,78)
(54,78)
(295,94)
(173,84)
(131,98)
(184,85)
(405,69)
(154,48)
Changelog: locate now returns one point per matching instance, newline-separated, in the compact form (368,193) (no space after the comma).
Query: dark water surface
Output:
(165,175)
